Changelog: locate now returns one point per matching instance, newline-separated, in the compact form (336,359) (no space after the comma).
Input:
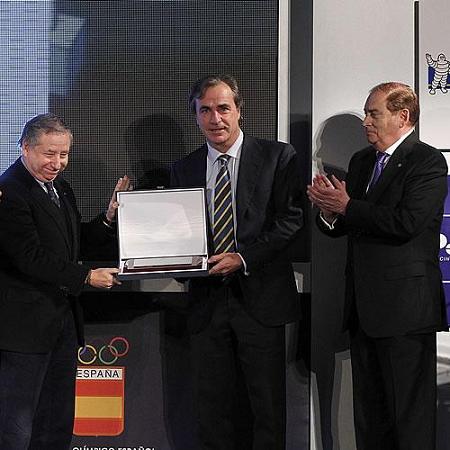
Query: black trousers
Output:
(233,337)
(37,394)
(394,391)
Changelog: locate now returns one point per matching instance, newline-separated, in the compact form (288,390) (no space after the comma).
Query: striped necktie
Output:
(52,194)
(223,229)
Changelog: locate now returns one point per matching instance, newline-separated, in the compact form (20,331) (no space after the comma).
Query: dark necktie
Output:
(379,166)
(52,194)
(223,228)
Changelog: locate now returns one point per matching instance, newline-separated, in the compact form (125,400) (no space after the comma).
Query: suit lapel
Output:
(251,163)
(363,175)
(41,199)
(54,214)
(196,173)
(394,167)
(72,219)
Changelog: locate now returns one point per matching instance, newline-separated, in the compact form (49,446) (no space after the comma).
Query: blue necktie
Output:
(379,166)
(223,228)
(52,194)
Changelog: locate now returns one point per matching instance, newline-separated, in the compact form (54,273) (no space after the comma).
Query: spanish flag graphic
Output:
(99,401)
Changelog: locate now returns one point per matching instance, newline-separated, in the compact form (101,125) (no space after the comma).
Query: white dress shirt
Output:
(212,169)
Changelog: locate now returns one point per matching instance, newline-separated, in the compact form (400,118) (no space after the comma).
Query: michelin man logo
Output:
(441,70)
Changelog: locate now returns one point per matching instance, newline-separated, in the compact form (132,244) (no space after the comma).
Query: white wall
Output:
(357,45)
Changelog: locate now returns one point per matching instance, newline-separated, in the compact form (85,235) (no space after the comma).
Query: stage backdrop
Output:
(122,81)
(119,72)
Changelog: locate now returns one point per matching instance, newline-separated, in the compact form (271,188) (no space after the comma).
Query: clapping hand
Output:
(329,195)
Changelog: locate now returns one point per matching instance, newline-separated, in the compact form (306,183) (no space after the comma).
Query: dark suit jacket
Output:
(393,275)
(269,214)
(39,273)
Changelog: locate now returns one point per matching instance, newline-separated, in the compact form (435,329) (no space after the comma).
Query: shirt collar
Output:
(41,183)
(390,150)
(233,151)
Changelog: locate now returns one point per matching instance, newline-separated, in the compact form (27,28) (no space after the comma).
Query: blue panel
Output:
(24,58)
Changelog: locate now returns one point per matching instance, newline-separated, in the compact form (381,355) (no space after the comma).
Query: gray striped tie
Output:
(52,194)
(223,228)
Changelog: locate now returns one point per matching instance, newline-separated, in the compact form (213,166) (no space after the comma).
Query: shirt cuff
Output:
(107,223)
(329,225)
(244,269)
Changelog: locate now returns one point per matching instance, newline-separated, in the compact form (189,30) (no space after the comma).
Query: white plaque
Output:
(162,233)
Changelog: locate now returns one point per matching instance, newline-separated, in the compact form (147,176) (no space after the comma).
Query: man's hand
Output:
(123,184)
(224,263)
(330,196)
(104,278)
(320,182)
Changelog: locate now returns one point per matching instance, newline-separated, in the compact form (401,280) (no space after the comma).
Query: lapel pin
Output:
(399,165)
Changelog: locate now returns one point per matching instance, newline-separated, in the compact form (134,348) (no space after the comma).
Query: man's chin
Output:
(216,137)
(216,140)
(50,177)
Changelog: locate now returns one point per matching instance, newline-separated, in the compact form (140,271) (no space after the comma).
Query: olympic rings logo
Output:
(107,354)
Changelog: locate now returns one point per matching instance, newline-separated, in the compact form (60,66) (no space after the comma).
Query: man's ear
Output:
(25,147)
(404,117)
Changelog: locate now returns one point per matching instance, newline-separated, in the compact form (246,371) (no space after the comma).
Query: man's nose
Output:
(366,121)
(56,162)
(215,117)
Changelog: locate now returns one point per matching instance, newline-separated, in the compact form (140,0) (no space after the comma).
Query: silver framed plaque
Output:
(162,233)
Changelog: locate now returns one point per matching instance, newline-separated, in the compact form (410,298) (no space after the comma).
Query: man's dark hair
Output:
(199,88)
(42,124)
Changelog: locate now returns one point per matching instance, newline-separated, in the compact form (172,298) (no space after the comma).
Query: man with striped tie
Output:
(238,314)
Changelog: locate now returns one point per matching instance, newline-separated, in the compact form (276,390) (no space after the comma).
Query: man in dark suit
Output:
(40,318)
(238,313)
(390,207)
